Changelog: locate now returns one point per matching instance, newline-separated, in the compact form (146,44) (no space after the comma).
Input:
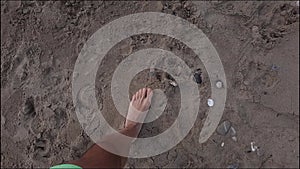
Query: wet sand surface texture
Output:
(258,44)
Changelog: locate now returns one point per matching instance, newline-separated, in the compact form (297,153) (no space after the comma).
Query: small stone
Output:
(197,76)
(210,102)
(222,144)
(39,135)
(219,84)
(224,127)
(246,82)
(232,131)
(234,138)
(275,68)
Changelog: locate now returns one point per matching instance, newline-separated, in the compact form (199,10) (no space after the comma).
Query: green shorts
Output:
(71,166)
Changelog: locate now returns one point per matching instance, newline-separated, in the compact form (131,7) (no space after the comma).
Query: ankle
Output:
(132,129)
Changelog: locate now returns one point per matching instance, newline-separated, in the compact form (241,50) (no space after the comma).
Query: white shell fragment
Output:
(253,147)
(219,84)
(222,144)
(234,138)
(259,151)
(224,127)
(173,83)
(210,102)
(232,131)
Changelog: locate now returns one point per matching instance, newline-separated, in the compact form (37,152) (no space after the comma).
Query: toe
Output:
(139,94)
(133,97)
(149,93)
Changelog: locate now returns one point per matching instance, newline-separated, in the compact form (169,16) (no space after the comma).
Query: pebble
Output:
(222,144)
(210,102)
(39,135)
(197,76)
(246,82)
(232,131)
(275,67)
(224,127)
(219,84)
(234,138)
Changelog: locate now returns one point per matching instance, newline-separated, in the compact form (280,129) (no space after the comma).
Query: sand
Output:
(258,43)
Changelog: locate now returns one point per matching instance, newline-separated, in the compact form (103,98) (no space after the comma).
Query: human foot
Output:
(138,107)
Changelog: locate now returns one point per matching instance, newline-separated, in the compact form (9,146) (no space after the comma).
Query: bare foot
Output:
(138,107)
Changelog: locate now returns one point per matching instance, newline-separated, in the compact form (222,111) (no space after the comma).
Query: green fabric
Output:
(71,166)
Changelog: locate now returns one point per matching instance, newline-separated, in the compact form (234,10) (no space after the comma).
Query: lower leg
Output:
(97,157)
